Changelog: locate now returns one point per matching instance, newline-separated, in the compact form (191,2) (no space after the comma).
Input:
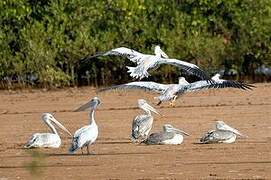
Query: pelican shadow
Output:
(102,154)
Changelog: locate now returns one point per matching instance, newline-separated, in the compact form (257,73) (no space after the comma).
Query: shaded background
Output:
(42,41)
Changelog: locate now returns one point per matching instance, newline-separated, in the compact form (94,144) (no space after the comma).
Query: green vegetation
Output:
(35,167)
(42,42)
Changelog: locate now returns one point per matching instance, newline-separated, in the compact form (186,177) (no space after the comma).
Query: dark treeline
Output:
(42,41)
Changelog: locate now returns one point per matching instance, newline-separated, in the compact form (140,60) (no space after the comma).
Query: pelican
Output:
(169,135)
(170,92)
(47,140)
(223,134)
(88,134)
(142,123)
(146,62)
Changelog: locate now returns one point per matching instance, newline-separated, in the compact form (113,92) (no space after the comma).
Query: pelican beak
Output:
(180,131)
(147,106)
(228,128)
(60,126)
(164,55)
(91,104)
(235,131)
(83,107)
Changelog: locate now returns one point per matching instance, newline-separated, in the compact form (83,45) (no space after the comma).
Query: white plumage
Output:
(169,135)
(88,134)
(145,62)
(222,134)
(170,92)
(47,140)
(142,123)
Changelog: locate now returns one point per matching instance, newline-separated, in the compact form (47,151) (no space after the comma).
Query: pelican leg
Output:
(144,138)
(172,103)
(159,103)
(82,151)
(88,149)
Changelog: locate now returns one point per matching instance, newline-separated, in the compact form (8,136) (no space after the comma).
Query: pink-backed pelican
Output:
(222,134)
(169,135)
(170,92)
(47,140)
(142,123)
(146,62)
(88,134)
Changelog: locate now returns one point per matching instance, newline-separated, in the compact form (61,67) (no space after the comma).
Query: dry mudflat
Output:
(115,157)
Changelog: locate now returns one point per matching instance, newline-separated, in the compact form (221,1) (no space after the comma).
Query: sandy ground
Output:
(115,157)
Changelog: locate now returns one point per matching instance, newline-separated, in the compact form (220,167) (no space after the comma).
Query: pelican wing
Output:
(121,51)
(141,126)
(199,85)
(146,85)
(232,84)
(188,67)
(215,136)
(80,131)
(158,138)
(83,136)
(43,140)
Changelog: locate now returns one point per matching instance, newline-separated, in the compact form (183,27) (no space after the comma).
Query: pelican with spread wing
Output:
(47,140)
(169,135)
(146,62)
(88,134)
(170,92)
(142,123)
(223,134)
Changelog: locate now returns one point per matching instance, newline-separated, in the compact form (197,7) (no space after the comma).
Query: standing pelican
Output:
(86,135)
(170,92)
(169,135)
(47,140)
(142,123)
(223,134)
(146,62)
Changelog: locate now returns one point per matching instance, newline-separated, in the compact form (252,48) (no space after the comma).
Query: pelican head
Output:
(93,103)
(220,125)
(182,81)
(48,118)
(146,107)
(216,76)
(169,128)
(158,52)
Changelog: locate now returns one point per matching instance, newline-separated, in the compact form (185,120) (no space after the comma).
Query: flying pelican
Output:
(86,135)
(146,62)
(169,135)
(170,92)
(142,123)
(223,134)
(47,140)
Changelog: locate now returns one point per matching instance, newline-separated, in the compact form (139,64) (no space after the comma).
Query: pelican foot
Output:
(172,104)
(92,153)
(159,103)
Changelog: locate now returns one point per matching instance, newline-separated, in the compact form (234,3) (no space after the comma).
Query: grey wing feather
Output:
(74,145)
(154,138)
(220,84)
(232,84)
(76,137)
(121,51)
(158,138)
(146,85)
(31,142)
(188,67)
(141,125)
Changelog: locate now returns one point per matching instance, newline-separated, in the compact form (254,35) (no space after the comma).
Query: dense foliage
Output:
(42,41)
